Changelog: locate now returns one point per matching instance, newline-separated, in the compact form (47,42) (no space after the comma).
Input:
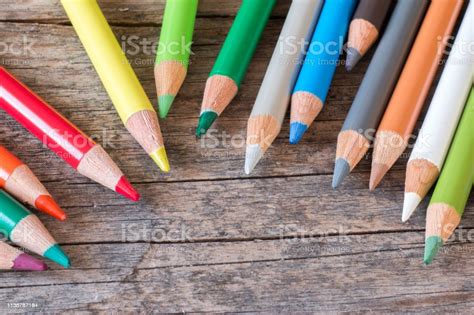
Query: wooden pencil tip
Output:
(305,107)
(377,174)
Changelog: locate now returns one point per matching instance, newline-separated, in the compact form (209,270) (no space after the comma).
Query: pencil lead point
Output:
(341,170)
(161,159)
(253,155)
(47,204)
(410,202)
(297,131)
(124,188)
(26,262)
(378,172)
(353,57)
(56,254)
(164,104)
(432,246)
(205,122)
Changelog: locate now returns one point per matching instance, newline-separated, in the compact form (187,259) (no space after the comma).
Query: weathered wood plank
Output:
(119,11)
(279,275)
(235,209)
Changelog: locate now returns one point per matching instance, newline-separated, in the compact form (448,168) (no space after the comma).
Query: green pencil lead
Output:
(164,104)
(205,122)
(432,246)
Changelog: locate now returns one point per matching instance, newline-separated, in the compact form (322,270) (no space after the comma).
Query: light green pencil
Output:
(453,187)
(173,51)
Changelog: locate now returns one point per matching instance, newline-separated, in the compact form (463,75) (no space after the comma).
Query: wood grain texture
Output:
(205,237)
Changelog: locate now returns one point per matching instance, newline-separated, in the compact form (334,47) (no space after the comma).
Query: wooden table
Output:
(207,238)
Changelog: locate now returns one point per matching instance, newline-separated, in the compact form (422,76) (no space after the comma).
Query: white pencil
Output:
(435,136)
(274,96)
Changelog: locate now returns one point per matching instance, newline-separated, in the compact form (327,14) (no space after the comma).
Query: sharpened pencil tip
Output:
(126,189)
(56,254)
(410,202)
(432,246)
(253,155)
(161,159)
(353,57)
(25,262)
(341,170)
(47,204)
(164,104)
(205,122)
(297,131)
(378,172)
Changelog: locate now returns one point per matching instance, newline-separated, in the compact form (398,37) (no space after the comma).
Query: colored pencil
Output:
(454,185)
(118,77)
(14,259)
(431,147)
(233,60)
(413,87)
(377,86)
(172,58)
(272,101)
(17,179)
(365,28)
(61,136)
(25,229)
(318,70)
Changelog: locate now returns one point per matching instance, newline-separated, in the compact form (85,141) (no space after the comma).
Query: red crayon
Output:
(61,136)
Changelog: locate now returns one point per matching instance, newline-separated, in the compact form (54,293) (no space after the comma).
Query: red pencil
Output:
(61,136)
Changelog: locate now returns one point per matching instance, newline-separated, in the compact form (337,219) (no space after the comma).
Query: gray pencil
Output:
(377,87)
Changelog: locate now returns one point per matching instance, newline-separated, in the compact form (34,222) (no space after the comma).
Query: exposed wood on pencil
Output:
(307,107)
(219,92)
(388,147)
(144,127)
(351,146)
(362,34)
(420,175)
(169,77)
(98,166)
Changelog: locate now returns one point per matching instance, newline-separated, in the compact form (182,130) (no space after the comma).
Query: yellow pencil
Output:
(118,77)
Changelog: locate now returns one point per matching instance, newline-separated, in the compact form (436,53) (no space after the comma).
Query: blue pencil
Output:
(320,65)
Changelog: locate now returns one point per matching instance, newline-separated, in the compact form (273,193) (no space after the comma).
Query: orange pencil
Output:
(413,86)
(17,179)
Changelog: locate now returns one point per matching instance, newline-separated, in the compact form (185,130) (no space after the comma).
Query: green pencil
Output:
(453,187)
(25,229)
(174,48)
(233,60)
